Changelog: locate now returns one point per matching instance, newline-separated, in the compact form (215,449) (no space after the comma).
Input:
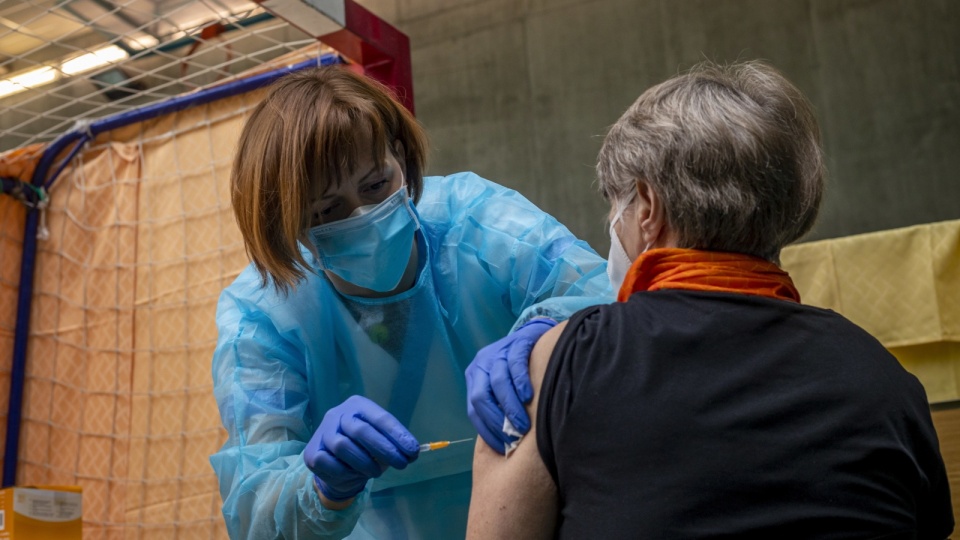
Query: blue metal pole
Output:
(172,105)
(19,367)
(200,98)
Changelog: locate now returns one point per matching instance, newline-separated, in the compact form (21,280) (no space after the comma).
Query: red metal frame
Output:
(364,39)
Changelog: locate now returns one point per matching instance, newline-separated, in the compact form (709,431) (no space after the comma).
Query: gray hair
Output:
(733,152)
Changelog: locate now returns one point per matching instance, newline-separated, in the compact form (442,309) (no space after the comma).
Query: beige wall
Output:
(521,91)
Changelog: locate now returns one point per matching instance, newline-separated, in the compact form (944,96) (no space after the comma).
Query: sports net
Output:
(118,394)
(63,60)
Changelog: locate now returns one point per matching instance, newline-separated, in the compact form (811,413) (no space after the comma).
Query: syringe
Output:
(436,445)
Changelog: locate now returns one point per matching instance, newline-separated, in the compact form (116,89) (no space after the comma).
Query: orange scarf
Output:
(695,270)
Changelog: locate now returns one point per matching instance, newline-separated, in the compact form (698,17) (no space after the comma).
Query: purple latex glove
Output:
(357,440)
(498,383)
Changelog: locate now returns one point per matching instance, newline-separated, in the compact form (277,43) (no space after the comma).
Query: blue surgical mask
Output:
(371,248)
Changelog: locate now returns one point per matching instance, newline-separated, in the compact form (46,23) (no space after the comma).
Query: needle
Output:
(436,445)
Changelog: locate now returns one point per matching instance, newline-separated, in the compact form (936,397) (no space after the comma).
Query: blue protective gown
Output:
(489,260)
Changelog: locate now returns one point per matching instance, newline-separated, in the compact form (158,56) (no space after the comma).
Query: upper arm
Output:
(516,497)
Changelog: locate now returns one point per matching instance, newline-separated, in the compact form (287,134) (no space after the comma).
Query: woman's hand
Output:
(357,440)
(498,384)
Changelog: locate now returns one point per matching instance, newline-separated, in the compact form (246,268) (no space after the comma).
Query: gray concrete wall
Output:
(522,91)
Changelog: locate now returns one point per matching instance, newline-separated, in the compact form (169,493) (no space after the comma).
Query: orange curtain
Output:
(18,164)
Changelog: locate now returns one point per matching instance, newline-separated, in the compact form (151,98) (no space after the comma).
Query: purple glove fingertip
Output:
(519,355)
(539,320)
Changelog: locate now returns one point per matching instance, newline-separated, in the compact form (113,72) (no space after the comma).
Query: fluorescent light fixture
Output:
(93,60)
(29,79)
(141,41)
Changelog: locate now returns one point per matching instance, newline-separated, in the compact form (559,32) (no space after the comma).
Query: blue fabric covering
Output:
(492,261)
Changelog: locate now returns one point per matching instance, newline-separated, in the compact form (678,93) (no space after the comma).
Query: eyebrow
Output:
(372,170)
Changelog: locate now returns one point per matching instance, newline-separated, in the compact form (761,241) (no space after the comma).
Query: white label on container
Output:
(47,505)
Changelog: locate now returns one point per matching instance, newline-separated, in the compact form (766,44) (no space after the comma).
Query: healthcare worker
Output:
(343,346)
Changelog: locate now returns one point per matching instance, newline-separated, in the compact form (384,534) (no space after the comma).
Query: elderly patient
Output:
(708,401)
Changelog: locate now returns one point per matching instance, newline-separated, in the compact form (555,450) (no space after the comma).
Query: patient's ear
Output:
(650,215)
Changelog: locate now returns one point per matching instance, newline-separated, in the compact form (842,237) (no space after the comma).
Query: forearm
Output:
(576,278)
(269,493)
(559,308)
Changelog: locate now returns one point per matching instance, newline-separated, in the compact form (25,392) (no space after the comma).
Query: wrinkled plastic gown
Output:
(493,261)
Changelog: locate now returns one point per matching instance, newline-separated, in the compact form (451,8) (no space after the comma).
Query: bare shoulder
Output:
(540,357)
(515,497)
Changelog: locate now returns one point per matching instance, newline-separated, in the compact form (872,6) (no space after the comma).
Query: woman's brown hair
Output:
(312,125)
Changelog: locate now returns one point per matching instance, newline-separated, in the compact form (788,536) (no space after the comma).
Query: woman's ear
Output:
(650,213)
(398,151)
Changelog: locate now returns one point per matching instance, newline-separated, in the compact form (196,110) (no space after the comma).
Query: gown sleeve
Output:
(541,267)
(260,384)
(565,274)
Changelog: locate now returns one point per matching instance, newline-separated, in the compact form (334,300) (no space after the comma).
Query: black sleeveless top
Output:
(682,414)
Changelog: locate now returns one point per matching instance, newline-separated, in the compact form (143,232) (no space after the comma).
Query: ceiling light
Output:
(141,41)
(29,79)
(93,60)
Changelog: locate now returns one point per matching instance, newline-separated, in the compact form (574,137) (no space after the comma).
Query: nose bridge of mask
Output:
(361,210)
(367,208)
(369,215)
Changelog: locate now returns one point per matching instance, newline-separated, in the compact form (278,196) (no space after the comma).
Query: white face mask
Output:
(618,262)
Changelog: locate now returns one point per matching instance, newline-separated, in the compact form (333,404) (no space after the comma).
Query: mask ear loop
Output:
(621,207)
(619,214)
(408,200)
(618,262)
